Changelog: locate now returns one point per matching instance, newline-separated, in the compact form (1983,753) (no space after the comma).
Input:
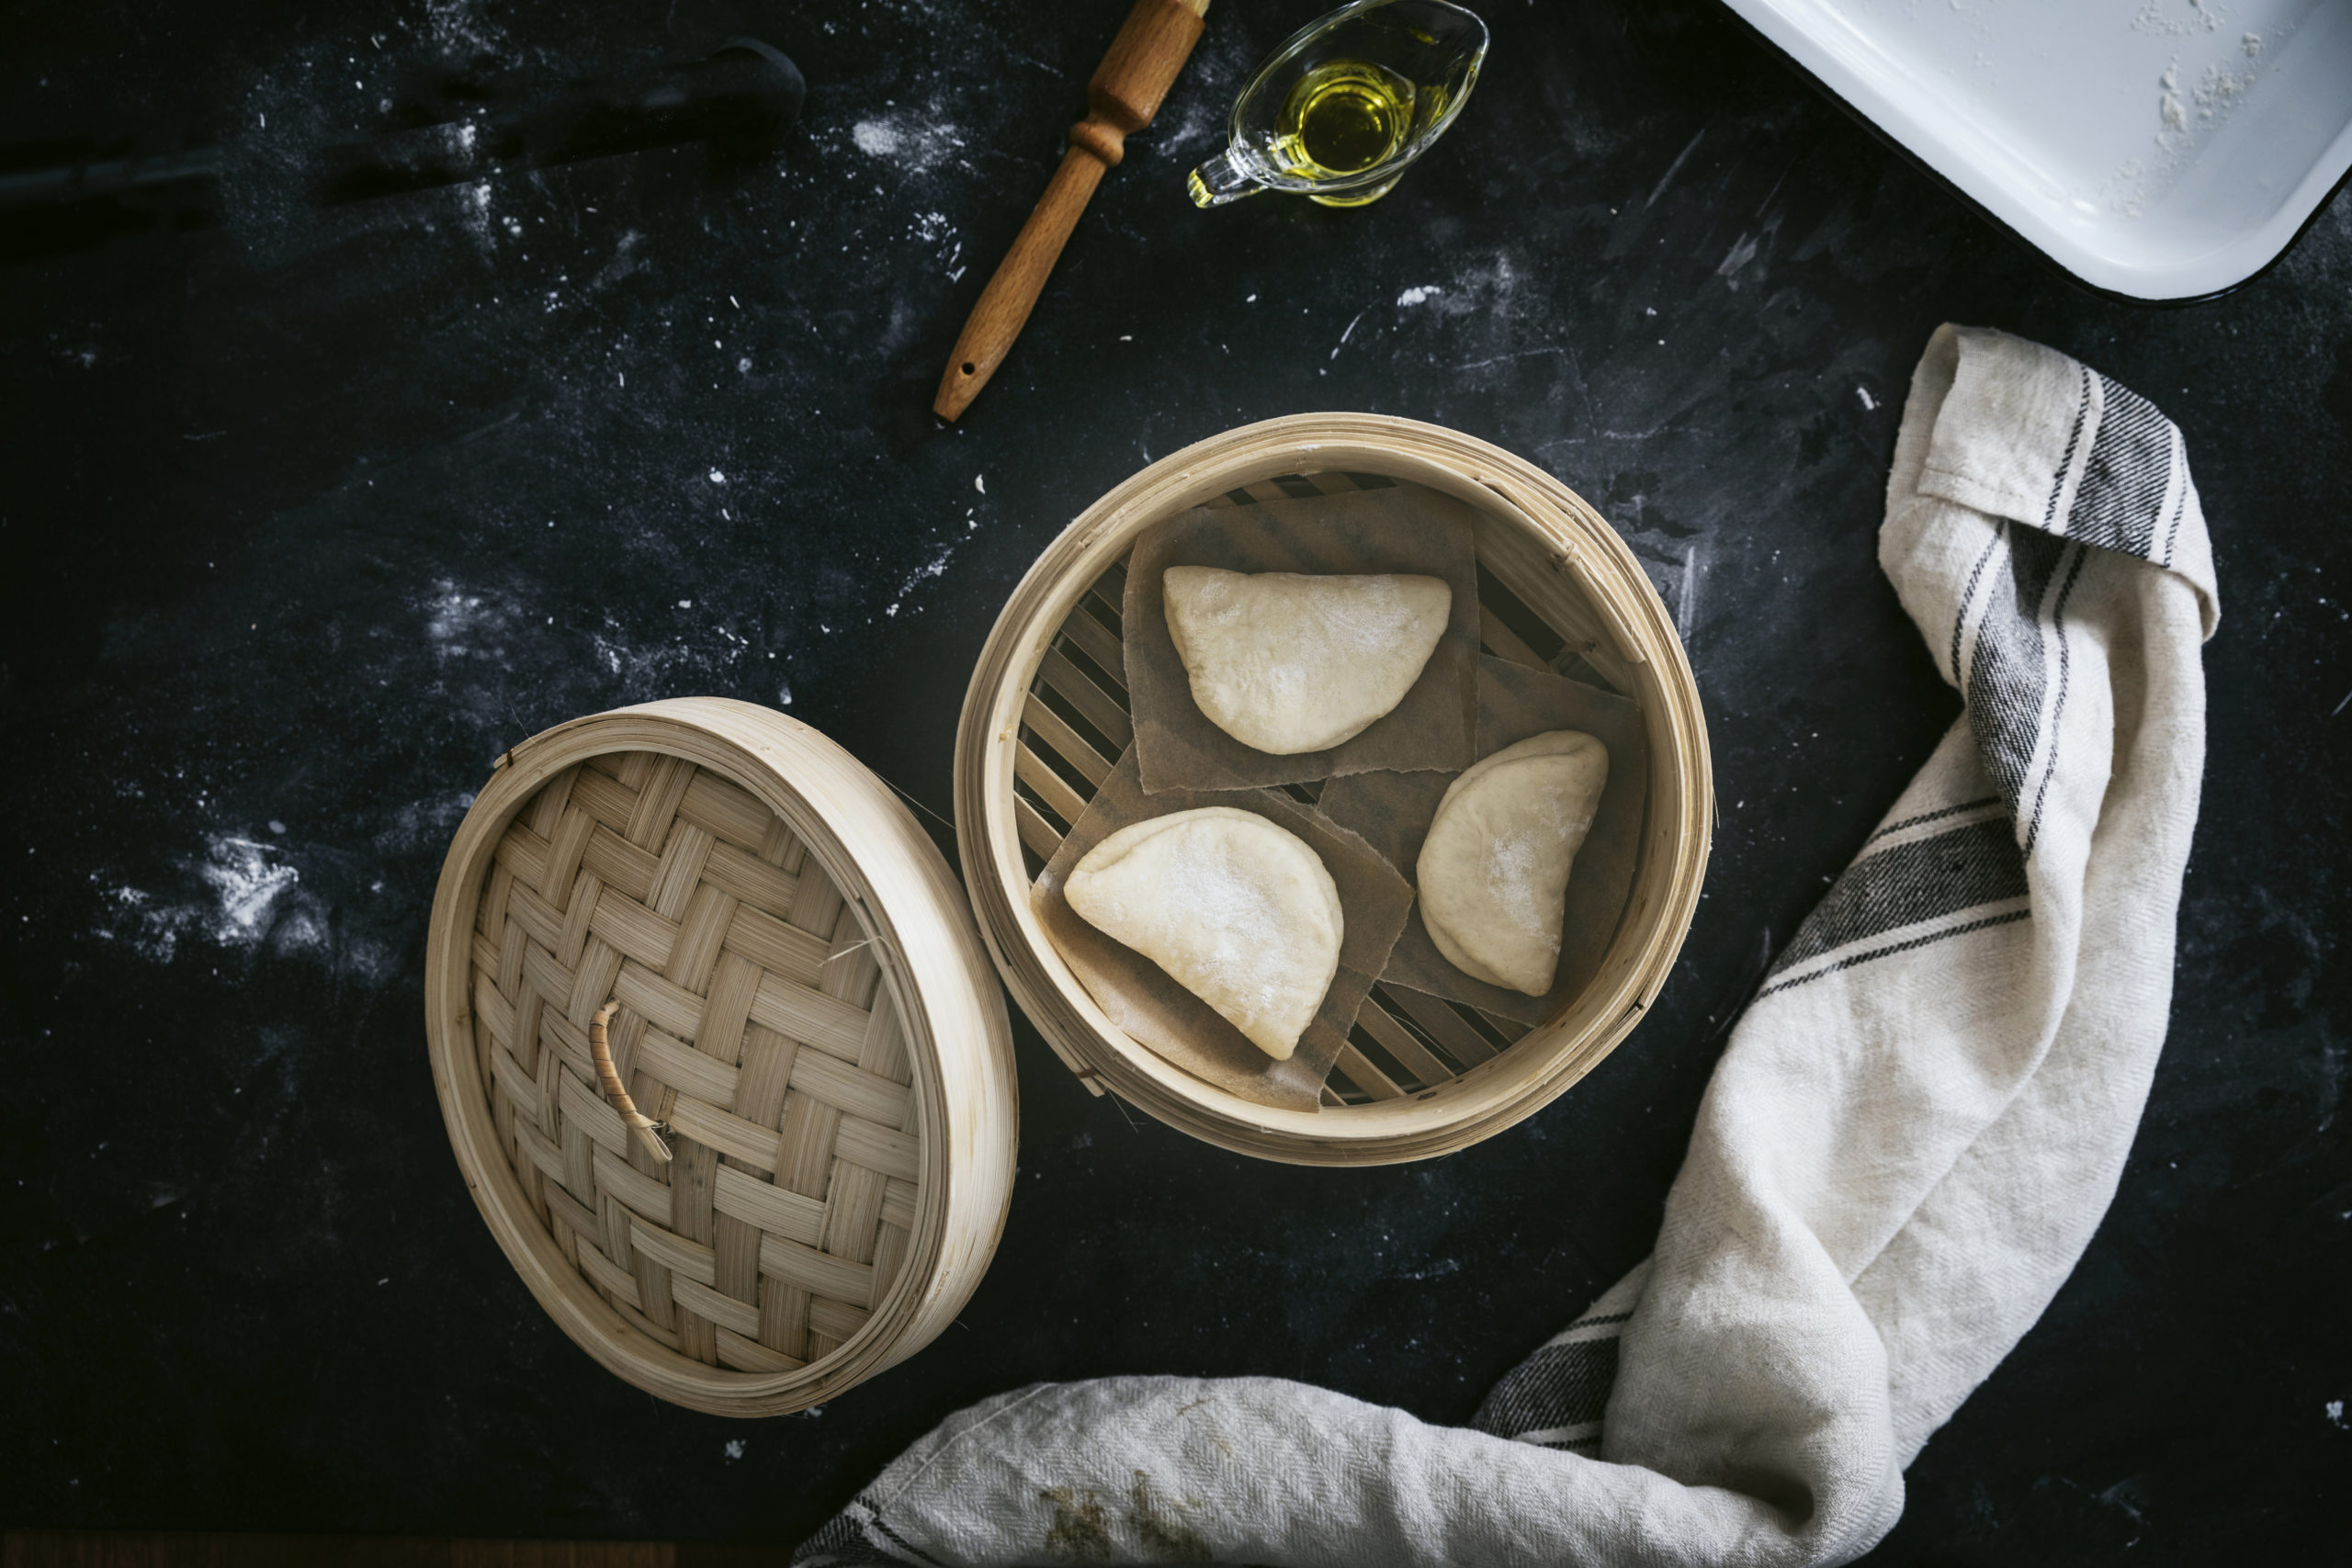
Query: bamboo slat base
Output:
(1046,719)
(1404,1042)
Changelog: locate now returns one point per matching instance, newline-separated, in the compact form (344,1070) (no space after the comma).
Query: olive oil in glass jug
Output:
(1347,103)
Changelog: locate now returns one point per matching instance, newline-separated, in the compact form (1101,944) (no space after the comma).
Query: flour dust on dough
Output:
(1289,662)
(1493,870)
(1239,910)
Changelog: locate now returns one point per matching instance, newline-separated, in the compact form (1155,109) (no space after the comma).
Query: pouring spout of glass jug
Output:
(1222,179)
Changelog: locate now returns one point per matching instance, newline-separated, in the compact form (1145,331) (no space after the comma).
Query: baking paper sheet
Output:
(1143,999)
(1392,811)
(1405,528)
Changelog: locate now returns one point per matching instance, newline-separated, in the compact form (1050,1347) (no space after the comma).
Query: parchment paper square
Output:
(1392,812)
(1407,528)
(1145,1001)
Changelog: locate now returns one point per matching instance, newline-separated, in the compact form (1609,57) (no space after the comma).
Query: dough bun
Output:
(1239,910)
(1287,662)
(1493,870)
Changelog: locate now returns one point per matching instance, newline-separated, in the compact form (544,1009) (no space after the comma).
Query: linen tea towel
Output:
(1908,1141)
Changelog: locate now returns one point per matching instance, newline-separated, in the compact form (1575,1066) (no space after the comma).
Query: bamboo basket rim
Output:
(928,959)
(1486,1097)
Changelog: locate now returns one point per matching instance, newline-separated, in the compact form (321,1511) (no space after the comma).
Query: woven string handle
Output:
(600,1050)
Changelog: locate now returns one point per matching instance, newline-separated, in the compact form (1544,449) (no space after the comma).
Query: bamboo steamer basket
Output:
(796,995)
(1045,719)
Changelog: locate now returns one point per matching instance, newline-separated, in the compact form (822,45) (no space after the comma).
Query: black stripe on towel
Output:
(2073,440)
(1968,596)
(1933,817)
(2058,704)
(1560,1386)
(1891,949)
(1924,879)
(2121,497)
(2007,677)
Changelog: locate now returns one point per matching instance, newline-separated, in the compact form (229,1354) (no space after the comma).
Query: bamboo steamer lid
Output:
(1045,718)
(720,1051)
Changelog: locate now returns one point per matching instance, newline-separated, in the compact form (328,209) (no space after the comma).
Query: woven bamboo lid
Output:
(721,1054)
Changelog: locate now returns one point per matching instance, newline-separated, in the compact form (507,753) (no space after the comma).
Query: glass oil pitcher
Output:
(1339,110)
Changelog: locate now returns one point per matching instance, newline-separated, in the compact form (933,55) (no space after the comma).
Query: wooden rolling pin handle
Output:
(1106,142)
(1125,92)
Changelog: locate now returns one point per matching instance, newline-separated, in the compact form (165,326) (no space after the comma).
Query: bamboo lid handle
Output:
(1125,92)
(600,1051)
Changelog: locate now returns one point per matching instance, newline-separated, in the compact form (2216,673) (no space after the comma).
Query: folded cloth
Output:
(1906,1147)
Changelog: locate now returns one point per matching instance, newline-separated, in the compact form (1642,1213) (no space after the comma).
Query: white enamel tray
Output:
(2161,150)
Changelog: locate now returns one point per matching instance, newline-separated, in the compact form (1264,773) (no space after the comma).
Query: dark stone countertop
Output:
(308,515)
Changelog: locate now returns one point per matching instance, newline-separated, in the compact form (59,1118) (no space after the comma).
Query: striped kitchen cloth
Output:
(1917,1125)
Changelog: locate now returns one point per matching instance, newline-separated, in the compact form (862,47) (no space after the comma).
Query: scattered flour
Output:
(2168,106)
(455,27)
(458,623)
(937,567)
(2220,88)
(919,148)
(1492,292)
(474,213)
(936,228)
(644,672)
(248,882)
(2195,17)
(2187,115)
(244,893)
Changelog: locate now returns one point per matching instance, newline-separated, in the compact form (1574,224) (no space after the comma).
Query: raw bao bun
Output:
(1238,910)
(1288,662)
(1493,870)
